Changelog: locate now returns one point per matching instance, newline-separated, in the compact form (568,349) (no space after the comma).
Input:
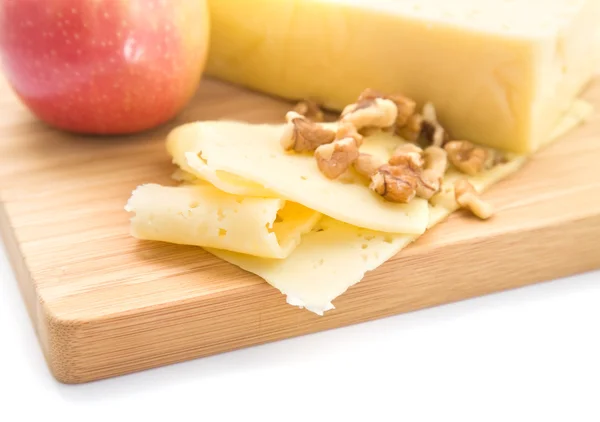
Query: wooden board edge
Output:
(85,351)
(25,281)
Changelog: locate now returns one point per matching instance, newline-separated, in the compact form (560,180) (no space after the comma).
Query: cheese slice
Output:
(184,146)
(201,215)
(185,177)
(334,256)
(500,73)
(248,160)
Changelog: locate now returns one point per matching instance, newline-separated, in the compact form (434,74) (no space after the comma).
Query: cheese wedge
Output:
(202,215)
(500,73)
(334,256)
(248,160)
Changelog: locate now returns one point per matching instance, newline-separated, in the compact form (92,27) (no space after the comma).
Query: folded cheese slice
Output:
(500,72)
(248,160)
(199,214)
(184,146)
(334,256)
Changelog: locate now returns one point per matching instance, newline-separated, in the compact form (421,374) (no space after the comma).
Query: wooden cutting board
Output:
(105,304)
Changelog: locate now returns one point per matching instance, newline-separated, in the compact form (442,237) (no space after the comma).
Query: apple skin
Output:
(104,66)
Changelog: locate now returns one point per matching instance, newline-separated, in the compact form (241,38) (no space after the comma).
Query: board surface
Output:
(105,304)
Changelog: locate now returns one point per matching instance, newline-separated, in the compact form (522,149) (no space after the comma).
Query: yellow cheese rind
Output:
(500,73)
(249,160)
(202,215)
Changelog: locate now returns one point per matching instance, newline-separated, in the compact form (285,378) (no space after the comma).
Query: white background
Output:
(531,354)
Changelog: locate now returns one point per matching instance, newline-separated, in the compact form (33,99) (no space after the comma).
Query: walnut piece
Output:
(429,166)
(310,109)
(379,113)
(406,106)
(409,172)
(370,94)
(432,130)
(411,131)
(466,197)
(429,112)
(436,164)
(496,158)
(367,164)
(425,188)
(348,130)
(335,158)
(396,183)
(301,135)
(405,153)
(467,157)
(406,109)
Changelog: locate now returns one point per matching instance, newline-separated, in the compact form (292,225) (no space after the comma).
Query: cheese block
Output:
(334,256)
(248,160)
(500,72)
(201,215)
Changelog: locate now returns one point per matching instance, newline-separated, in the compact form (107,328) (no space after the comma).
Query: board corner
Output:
(65,341)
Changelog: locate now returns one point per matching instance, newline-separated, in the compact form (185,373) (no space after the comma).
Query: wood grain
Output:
(105,304)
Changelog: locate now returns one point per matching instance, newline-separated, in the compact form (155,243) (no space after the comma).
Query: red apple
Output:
(104,66)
